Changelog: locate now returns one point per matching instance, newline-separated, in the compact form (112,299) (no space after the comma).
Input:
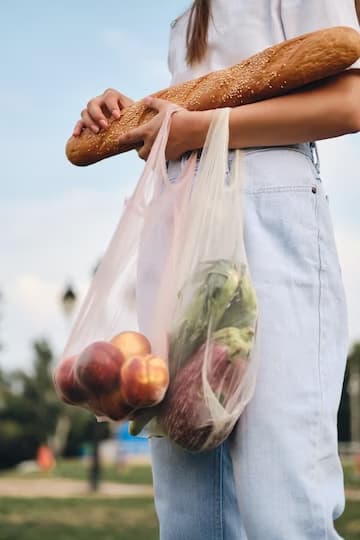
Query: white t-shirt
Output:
(241,28)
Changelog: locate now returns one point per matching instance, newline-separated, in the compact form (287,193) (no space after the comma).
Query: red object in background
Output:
(45,458)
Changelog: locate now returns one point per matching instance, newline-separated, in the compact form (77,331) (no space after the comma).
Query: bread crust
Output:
(272,72)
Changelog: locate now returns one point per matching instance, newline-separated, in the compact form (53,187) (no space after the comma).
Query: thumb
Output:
(156,103)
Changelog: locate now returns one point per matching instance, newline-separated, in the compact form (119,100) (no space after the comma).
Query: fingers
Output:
(112,105)
(133,138)
(86,121)
(96,114)
(89,122)
(79,126)
(100,109)
(113,102)
(156,103)
(144,151)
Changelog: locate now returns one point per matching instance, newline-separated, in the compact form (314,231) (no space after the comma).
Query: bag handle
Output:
(214,157)
(154,173)
(157,160)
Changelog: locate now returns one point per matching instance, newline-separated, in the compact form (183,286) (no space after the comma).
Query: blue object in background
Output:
(128,444)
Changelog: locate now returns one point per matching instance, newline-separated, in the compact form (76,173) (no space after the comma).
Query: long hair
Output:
(197,31)
(357,7)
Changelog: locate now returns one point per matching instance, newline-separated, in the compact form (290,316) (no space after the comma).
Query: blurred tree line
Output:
(31,414)
(349,410)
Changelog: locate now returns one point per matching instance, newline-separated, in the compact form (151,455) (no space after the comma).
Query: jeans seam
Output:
(321,527)
(219,529)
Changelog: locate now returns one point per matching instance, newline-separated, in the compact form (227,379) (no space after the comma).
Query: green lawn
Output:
(100,518)
(77,519)
(349,523)
(352,477)
(103,519)
(78,470)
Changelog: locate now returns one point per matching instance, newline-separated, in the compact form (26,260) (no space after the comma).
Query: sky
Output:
(56,219)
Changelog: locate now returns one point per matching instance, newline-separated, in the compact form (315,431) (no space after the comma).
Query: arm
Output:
(328,109)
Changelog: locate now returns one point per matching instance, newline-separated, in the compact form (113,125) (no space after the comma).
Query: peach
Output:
(98,368)
(111,405)
(131,344)
(144,380)
(67,387)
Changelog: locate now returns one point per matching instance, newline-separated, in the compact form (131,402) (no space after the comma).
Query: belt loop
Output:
(316,160)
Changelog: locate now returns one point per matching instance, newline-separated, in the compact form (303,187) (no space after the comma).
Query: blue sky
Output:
(56,219)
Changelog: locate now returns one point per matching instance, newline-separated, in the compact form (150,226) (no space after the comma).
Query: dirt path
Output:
(352,494)
(61,487)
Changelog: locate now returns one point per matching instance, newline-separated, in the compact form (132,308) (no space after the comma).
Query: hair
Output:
(197,31)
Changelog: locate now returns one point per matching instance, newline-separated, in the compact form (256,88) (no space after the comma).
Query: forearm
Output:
(326,110)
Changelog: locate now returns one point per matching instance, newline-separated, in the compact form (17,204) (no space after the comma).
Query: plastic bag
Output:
(179,251)
(195,293)
(107,365)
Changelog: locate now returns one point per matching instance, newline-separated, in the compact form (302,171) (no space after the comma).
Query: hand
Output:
(100,109)
(187,130)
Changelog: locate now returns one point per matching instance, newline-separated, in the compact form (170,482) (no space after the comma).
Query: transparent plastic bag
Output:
(195,294)
(175,282)
(107,365)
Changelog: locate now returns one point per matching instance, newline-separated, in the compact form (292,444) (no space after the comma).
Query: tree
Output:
(30,411)
(344,433)
(1,316)
(353,388)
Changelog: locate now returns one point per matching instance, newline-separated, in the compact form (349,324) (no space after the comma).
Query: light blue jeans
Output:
(278,476)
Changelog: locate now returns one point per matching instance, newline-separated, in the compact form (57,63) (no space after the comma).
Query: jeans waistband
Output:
(308,149)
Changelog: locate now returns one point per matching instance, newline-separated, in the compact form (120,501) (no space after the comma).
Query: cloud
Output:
(48,244)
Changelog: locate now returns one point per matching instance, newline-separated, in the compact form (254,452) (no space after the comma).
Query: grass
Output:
(351,475)
(108,519)
(79,470)
(348,525)
(94,517)
(77,519)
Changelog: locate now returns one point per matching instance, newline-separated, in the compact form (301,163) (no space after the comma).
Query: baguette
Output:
(272,72)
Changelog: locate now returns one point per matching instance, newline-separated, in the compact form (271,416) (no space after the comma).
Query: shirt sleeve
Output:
(302,16)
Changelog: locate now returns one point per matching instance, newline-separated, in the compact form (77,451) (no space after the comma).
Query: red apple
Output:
(144,380)
(131,344)
(66,385)
(98,368)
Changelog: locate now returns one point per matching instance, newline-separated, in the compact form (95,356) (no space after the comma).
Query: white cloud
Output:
(49,243)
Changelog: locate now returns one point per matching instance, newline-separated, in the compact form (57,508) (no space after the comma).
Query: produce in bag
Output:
(206,303)
(108,366)
(113,378)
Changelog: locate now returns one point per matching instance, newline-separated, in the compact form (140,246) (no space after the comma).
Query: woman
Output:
(278,477)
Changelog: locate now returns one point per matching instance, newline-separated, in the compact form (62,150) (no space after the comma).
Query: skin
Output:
(99,109)
(323,110)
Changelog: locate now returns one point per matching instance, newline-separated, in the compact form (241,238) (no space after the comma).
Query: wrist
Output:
(193,127)
(199,126)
